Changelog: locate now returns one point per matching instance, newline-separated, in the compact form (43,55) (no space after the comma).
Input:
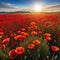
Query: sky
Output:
(12,4)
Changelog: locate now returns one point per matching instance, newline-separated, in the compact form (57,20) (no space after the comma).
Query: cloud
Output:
(7,5)
(52,8)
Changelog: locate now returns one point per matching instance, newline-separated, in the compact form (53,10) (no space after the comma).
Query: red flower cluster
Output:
(15,52)
(32,45)
(47,36)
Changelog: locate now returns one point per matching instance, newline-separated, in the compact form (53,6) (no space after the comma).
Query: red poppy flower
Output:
(17,37)
(39,32)
(36,42)
(31,46)
(6,40)
(34,33)
(47,35)
(48,38)
(12,54)
(20,50)
(54,48)
(22,33)
(25,34)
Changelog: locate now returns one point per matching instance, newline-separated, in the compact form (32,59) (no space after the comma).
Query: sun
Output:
(37,8)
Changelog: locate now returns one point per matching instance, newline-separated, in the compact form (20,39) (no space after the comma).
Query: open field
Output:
(22,18)
(32,36)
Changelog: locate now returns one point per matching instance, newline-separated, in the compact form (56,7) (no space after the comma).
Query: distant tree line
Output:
(17,12)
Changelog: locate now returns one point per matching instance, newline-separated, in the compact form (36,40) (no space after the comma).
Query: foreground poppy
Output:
(6,40)
(31,46)
(20,50)
(12,54)
(55,48)
(36,42)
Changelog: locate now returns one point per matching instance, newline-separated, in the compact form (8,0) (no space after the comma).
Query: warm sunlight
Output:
(37,8)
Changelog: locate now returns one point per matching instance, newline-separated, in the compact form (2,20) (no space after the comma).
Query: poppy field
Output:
(33,36)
